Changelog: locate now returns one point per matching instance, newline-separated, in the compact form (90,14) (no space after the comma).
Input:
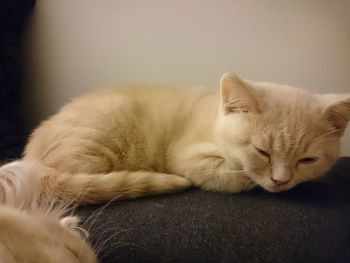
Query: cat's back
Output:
(141,104)
(151,98)
(141,119)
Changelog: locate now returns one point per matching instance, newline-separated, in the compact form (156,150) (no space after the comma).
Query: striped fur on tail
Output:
(22,181)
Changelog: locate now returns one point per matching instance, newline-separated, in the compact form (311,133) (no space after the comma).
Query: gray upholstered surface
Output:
(310,223)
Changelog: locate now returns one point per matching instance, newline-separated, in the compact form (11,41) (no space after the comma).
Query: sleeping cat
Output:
(133,141)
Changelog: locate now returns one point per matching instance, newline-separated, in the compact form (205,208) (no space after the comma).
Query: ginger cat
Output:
(133,141)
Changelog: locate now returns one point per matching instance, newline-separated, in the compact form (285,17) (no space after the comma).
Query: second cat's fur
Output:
(33,230)
(134,141)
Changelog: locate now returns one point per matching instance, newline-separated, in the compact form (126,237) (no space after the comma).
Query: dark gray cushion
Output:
(310,223)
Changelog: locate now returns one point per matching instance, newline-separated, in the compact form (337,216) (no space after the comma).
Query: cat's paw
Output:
(71,223)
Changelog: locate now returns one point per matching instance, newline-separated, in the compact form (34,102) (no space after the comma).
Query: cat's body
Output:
(135,128)
(134,141)
(143,132)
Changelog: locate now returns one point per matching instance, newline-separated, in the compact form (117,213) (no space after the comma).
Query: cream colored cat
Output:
(134,141)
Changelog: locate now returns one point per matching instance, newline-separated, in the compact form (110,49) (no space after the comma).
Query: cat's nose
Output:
(279,182)
(281,174)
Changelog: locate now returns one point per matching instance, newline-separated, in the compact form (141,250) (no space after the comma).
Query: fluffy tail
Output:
(22,181)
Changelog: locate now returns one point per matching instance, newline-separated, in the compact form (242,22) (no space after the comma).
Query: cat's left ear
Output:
(337,111)
(236,96)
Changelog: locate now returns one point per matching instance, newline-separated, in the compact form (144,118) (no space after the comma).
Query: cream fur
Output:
(36,230)
(38,236)
(132,141)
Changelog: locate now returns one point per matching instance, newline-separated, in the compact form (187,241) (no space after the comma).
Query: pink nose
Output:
(279,182)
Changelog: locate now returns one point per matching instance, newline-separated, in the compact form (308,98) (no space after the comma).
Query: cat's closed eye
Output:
(262,152)
(307,160)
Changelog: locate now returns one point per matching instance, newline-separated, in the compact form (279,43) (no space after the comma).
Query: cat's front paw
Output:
(230,182)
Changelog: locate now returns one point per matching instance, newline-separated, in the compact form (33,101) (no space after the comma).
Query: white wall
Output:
(75,46)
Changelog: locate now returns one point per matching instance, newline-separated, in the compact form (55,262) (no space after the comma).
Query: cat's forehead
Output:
(290,121)
(288,106)
(290,138)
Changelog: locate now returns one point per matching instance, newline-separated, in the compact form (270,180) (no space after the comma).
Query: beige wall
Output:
(75,46)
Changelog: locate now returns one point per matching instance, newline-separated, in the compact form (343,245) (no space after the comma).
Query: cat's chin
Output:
(272,188)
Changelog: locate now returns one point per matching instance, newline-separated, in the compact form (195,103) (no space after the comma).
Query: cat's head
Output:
(281,135)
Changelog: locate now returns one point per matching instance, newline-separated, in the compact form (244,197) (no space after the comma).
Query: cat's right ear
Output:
(236,97)
(337,111)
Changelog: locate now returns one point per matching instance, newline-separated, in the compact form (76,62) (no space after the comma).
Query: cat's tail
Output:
(95,188)
(48,183)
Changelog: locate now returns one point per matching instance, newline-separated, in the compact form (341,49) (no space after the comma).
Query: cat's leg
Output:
(206,168)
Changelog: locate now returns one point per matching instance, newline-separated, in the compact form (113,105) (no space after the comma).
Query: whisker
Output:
(100,246)
(97,213)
